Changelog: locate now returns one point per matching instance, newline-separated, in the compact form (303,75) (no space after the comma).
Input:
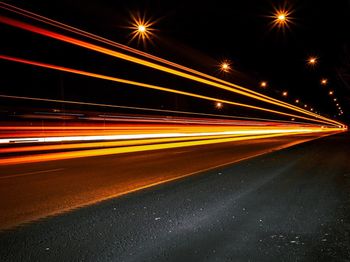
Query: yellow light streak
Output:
(140,108)
(134,83)
(104,40)
(130,132)
(126,48)
(128,149)
(84,44)
(92,145)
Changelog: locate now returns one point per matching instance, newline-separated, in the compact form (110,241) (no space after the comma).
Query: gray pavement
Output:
(289,205)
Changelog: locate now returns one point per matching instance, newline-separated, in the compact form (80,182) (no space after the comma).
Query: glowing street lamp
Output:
(285,93)
(263,84)
(297,101)
(335,100)
(331,93)
(218,105)
(281,18)
(305,105)
(312,61)
(324,81)
(141,28)
(225,66)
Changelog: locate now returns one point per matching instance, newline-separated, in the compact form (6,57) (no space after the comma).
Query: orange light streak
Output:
(92,145)
(158,67)
(155,87)
(148,109)
(179,132)
(129,49)
(127,149)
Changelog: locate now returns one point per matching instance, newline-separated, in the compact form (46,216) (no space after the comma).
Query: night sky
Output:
(198,34)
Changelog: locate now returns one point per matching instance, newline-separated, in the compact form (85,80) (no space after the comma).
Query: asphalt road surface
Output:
(32,191)
(288,205)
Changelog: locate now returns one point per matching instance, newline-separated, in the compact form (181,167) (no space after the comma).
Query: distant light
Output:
(297,101)
(324,81)
(263,84)
(335,100)
(225,66)
(285,93)
(312,61)
(331,92)
(305,105)
(141,28)
(293,119)
(218,105)
(281,18)
(312,109)
(337,104)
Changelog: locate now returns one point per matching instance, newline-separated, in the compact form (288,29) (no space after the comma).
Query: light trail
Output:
(148,109)
(92,145)
(156,135)
(119,55)
(123,150)
(135,51)
(155,87)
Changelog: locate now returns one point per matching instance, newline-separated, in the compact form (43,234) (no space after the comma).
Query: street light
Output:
(331,93)
(141,28)
(218,105)
(281,18)
(225,66)
(297,101)
(324,81)
(285,93)
(263,84)
(335,100)
(312,60)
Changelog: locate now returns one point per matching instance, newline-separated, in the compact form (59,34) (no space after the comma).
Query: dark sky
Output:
(201,33)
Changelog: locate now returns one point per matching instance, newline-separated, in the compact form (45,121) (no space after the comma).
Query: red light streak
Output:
(134,83)
(84,44)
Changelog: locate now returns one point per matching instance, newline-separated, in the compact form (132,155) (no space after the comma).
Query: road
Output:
(35,190)
(288,205)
